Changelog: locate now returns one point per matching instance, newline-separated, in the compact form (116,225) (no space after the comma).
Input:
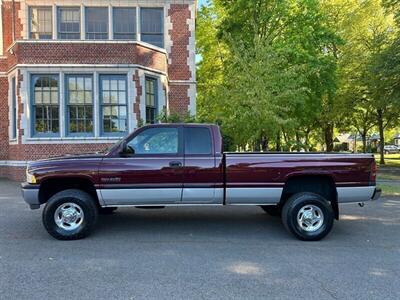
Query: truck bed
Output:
(254,175)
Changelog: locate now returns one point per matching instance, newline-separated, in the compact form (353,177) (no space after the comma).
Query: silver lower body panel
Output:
(255,196)
(355,194)
(202,195)
(120,197)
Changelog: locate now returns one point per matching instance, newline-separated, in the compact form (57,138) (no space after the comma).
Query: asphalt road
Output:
(199,253)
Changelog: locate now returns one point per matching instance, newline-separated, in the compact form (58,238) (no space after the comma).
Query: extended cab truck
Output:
(184,164)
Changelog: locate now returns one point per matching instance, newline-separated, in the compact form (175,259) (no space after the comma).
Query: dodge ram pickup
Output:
(184,164)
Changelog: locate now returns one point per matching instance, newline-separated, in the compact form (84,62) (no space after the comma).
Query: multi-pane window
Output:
(79,100)
(45,104)
(41,23)
(13,109)
(151,100)
(124,23)
(96,23)
(113,95)
(152,29)
(69,23)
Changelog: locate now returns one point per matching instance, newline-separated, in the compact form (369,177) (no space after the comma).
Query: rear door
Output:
(202,182)
(152,175)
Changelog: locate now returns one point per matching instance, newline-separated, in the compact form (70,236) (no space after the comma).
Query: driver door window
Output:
(156,141)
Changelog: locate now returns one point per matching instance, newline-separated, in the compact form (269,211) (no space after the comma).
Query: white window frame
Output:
(13,122)
(55,19)
(97,137)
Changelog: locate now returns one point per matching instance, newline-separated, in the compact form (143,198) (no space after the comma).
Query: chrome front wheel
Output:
(69,216)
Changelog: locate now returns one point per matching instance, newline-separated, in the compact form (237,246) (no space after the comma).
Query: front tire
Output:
(70,215)
(308,216)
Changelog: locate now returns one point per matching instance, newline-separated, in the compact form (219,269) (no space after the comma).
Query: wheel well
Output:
(321,185)
(50,187)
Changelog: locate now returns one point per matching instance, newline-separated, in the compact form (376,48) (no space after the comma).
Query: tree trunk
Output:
(307,140)
(381,136)
(278,142)
(364,140)
(355,144)
(256,146)
(264,144)
(297,142)
(328,136)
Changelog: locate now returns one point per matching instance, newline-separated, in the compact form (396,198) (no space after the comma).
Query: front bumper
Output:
(377,194)
(30,193)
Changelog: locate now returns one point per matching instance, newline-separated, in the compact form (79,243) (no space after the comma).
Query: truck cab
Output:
(164,165)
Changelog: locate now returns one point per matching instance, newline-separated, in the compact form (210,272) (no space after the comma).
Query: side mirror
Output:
(126,149)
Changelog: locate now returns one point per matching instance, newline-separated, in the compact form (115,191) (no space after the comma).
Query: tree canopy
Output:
(289,74)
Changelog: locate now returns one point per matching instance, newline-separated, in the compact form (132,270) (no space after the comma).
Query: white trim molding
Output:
(191,47)
(14,163)
(1,28)
(11,122)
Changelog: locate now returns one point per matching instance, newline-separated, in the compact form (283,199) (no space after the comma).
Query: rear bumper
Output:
(357,194)
(377,194)
(30,193)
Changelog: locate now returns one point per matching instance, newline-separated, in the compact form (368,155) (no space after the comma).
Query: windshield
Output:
(115,146)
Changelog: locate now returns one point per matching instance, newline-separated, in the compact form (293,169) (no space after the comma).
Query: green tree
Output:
(273,74)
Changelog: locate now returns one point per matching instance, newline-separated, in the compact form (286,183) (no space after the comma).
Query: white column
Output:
(1,29)
(63,112)
(96,104)
(25,122)
(83,22)
(138,35)
(55,22)
(110,22)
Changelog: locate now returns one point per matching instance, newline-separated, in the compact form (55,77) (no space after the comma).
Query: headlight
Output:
(30,178)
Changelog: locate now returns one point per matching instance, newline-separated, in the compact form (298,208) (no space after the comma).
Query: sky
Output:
(201,2)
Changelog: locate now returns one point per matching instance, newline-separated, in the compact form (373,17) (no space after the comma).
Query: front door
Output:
(152,174)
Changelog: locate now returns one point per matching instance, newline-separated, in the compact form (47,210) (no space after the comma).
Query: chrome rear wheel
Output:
(310,218)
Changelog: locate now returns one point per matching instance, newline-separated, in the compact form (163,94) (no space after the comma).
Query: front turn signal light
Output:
(31,179)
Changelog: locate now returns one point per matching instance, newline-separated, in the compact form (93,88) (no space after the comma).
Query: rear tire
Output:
(308,216)
(272,210)
(70,215)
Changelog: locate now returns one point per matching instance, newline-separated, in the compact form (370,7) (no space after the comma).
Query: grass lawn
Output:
(390,189)
(391,160)
(389,175)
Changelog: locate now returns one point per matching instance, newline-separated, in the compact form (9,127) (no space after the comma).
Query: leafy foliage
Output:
(289,74)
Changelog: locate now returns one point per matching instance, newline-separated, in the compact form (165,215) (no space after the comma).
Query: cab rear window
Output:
(198,141)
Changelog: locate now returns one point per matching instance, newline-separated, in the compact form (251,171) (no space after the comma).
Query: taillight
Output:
(373,173)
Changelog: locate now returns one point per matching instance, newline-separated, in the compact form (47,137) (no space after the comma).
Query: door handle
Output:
(175,164)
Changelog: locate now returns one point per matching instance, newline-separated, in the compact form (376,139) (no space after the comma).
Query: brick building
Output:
(76,76)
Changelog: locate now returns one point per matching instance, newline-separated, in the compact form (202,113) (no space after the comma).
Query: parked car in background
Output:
(184,164)
(391,149)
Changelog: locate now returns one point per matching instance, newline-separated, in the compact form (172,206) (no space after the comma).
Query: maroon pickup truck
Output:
(184,164)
